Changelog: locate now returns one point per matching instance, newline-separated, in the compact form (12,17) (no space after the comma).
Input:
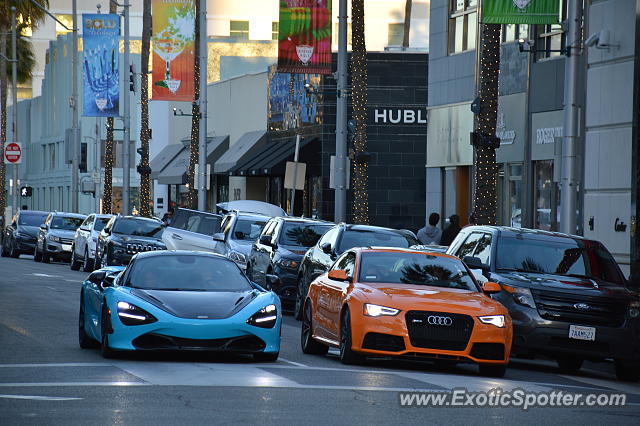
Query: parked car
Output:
(396,302)
(251,206)
(124,236)
(566,295)
(192,230)
(431,247)
(83,251)
(336,241)
(20,236)
(55,236)
(279,250)
(178,300)
(238,231)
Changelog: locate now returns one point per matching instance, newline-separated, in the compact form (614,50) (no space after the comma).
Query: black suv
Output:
(124,236)
(336,241)
(279,250)
(566,295)
(21,234)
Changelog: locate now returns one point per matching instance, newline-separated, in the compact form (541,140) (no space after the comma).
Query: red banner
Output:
(304,36)
(173,44)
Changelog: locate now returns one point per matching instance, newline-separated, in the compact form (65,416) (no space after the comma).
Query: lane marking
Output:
(615,386)
(38,274)
(54,384)
(293,362)
(40,398)
(59,364)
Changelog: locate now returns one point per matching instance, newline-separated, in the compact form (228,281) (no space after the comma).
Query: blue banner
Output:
(101,35)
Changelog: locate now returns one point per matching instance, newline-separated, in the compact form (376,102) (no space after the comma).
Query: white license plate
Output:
(66,247)
(582,333)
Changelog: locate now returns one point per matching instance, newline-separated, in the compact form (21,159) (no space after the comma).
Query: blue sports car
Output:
(179,300)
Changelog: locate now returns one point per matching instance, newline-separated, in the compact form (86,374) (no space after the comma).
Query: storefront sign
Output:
(506,136)
(548,135)
(536,12)
(448,136)
(546,128)
(511,127)
(399,116)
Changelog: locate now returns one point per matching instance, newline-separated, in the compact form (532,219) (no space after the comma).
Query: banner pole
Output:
(126,142)
(202,131)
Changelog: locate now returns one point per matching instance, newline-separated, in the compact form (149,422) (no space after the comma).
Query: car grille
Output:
(246,344)
(383,342)
(139,248)
(439,330)
(67,241)
(564,307)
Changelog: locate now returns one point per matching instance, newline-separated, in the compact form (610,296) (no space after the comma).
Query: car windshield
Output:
(187,273)
(248,229)
(552,256)
(31,219)
(416,269)
(374,238)
(66,223)
(138,227)
(100,223)
(302,234)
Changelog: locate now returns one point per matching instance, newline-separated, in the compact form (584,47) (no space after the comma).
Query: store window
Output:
(275,27)
(551,37)
(239,30)
(513,32)
(515,195)
(463,23)
(395,34)
(546,198)
(336,27)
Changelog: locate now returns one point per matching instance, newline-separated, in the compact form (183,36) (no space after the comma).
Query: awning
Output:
(216,148)
(270,159)
(163,158)
(175,173)
(244,148)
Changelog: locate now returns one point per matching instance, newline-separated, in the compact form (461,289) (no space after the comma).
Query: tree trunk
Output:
(107,193)
(145,172)
(3,118)
(359,96)
(486,169)
(195,118)
(407,22)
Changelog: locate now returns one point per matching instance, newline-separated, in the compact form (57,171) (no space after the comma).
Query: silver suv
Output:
(83,251)
(238,232)
(192,230)
(55,237)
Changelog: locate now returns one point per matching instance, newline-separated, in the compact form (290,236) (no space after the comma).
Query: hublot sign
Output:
(399,116)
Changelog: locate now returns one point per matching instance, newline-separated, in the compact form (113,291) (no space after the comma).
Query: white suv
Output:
(192,230)
(83,251)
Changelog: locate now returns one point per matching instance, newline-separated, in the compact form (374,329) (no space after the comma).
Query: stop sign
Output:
(13,153)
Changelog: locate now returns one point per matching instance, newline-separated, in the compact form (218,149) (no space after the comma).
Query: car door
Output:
(259,256)
(468,248)
(321,261)
(42,233)
(332,294)
(83,233)
(192,230)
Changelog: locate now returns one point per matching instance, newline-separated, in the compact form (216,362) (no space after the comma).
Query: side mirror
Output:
(475,263)
(265,240)
(218,237)
(338,275)
(491,288)
(97,277)
(108,281)
(326,248)
(43,227)
(272,281)
(107,231)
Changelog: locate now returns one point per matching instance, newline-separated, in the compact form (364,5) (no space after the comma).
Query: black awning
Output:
(245,147)
(163,158)
(270,160)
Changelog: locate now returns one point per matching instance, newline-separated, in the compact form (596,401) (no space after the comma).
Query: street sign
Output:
(26,191)
(294,175)
(13,153)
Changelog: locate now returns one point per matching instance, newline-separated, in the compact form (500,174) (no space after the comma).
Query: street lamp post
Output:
(202,130)
(126,140)
(340,166)
(14,89)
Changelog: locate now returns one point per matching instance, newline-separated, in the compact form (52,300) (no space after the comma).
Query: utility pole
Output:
(570,179)
(14,110)
(75,128)
(126,140)
(340,166)
(202,124)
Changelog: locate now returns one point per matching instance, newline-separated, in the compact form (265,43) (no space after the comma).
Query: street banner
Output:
(101,34)
(536,12)
(173,43)
(304,36)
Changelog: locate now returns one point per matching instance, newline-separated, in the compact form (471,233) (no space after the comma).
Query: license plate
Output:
(582,333)
(66,247)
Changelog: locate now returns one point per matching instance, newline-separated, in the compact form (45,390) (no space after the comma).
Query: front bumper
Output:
(288,285)
(26,245)
(59,250)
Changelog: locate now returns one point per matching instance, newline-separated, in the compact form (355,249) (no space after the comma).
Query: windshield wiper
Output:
(577,276)
(519,270)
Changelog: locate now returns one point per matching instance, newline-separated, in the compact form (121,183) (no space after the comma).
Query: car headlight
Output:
(286,263)
(633,311)
(497,320)
(377,310)
(132,315)
(522,296)
(265,317)
(55,238)
(238,257)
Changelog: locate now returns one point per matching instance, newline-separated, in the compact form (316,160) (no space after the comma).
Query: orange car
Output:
(402,302)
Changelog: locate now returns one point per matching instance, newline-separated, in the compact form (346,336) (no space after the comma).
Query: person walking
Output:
(472,220)
(430,234)
(450,233)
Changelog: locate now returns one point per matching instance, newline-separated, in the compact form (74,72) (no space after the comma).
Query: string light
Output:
(192,194)
(486,168)
(3,139)
(359,96)
(145,176)
(107,194)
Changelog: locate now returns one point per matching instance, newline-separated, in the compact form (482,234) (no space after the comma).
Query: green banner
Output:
(535,12)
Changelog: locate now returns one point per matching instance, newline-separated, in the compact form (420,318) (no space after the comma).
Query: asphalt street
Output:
(45,378)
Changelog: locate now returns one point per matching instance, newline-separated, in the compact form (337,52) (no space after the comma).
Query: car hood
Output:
(134,239)
(63,233)
(240,246)
(408,297)
(31,231)
(561,283)
(292,252)
(197,304)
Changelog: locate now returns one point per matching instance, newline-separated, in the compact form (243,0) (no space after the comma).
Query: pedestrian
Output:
(450,233)
(472,220)
(167,218)
(430,234)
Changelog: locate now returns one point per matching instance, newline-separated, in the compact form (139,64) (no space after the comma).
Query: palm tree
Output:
(31,16)
(192,197)
(359,94)
(107,192)
(145,178)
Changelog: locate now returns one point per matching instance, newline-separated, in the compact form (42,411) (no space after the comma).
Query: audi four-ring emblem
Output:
(438,320)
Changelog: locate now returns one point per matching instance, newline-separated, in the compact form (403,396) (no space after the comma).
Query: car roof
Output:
(512,232)
(78,215)
(371,228)
(248,214)
(137,217)
(401,250)
(157,253)
(34,212)
(290,219)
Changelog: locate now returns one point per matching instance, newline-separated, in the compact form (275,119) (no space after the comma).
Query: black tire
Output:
(569,364)
(309,344)
(13,253)
(105,350)
(3,250)
(266,356)
(627,370)
(46,258)
(84,340)
(74,264)
(347,354)
(492,370)
(297,312)
(37,256)
(87,264)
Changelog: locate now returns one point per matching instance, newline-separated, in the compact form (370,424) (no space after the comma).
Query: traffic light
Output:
(26,191)
(83,158)
(132,78)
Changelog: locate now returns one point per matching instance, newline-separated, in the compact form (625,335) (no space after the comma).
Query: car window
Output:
(329,237)
(31,219)
(302,234)
(466,249)
(370,238)
(202,223)
(346,262)
(66,223)
(138,227)
(88,222)
(483,249)
(100,223)
(248,229)
(180,219)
